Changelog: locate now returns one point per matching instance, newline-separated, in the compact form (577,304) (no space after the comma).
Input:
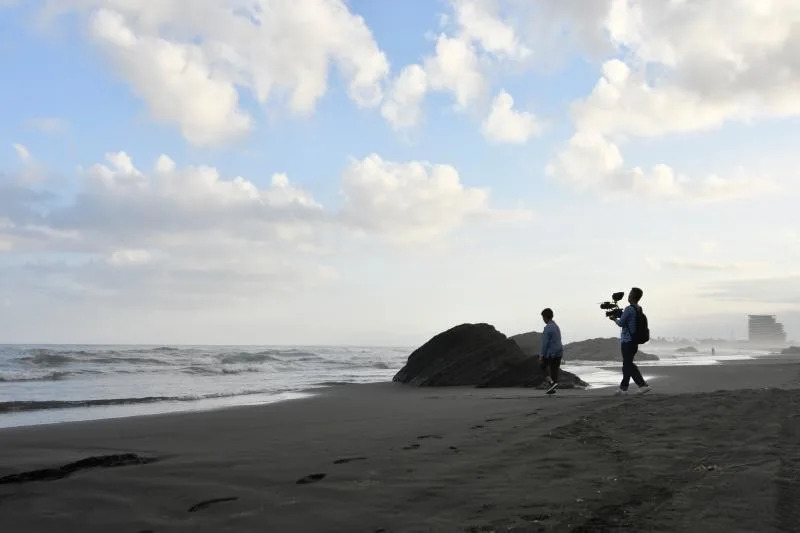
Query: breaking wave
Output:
(246,357)
(211,371)
(47,358)
(52,376)
(44,357)
(38,405)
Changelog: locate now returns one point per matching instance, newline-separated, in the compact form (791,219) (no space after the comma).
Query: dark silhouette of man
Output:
(552,350)
(628,344)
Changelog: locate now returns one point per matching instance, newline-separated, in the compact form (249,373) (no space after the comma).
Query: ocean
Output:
(42,384)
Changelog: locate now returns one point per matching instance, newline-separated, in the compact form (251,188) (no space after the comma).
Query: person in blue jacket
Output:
(552,350)
(628,344)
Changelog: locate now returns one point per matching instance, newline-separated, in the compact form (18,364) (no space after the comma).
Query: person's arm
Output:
(621,321)
(546,334)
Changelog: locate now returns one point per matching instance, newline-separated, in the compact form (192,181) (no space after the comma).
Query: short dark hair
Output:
(637,293)
(547,313)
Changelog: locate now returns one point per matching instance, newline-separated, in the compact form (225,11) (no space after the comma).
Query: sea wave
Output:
(44,357)
(36,405)
(250,357)
(198,370)
(47,358)
(165,349)
(129,360)
(52,376)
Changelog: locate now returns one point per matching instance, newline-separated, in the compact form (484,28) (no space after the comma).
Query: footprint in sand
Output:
(206,503)
(312,478)
(348,460)
(478,426)
(411,447)
(453,448)
(429,437)
(492,419)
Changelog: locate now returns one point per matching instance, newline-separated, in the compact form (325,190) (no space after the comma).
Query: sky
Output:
(374,172)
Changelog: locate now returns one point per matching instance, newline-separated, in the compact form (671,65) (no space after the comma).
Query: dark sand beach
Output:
(711,448)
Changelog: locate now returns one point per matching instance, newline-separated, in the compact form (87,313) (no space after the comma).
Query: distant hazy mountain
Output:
(599,349)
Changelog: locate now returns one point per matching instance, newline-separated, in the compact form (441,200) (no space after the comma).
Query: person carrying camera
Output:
(552,350)
(628,344)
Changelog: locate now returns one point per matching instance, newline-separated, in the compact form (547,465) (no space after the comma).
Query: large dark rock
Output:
(599,349)
(791,350)
(530,343)
(477,355)
(528,374)
(687,349)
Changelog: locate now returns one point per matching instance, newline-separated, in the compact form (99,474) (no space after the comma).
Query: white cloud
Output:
(455,68)
(122,210)
(402,106)
(478,21)
(413,201)
(686,67)
(124,258)
(120,197)
(623,102)
(740,53)
(175,80)
(173,236)
(504,124)
(479,38)
(22,152)
(189,60)
(694,65)
(592,162)
(587,161)
(181,235)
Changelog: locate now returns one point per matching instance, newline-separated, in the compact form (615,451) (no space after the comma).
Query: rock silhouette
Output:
(477,355)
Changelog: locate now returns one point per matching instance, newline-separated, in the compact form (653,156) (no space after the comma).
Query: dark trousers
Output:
(629,369)
(552,363)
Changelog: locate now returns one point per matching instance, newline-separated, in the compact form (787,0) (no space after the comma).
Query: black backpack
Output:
(642,332)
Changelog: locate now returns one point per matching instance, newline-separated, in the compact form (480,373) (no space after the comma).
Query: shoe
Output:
(644,389)
(552,389)
(621,391)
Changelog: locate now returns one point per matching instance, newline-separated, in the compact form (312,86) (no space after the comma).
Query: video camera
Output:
(613,310)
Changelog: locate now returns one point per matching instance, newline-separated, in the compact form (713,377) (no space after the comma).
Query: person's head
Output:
(547,315)
(635,295)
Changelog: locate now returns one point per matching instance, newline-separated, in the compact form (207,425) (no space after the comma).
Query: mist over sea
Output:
(57,383)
